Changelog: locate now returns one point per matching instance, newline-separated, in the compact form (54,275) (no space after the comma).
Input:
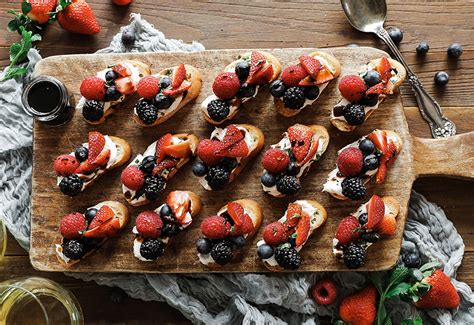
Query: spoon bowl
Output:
(367,16)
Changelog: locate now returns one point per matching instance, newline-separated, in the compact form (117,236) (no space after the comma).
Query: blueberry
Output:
(455,50)
(203,245)
(371,162)
(165,82)
(199,169)
(370,100)
(366,146)
(110,75)
(268,179)
(363,218)
(292,168)
(81,153)
(112,93)
(147,164)
(371,78)
(165,210)
(128,37)
(292,241)
(395,34)
(412,260)
(247,90)
(168,218)
(422,48)
(242,69)
(441,78)
(162,101)
(277,88)
(265,251)
(311,93)
(90,214)
(228,163)
(170,229)
(238,241)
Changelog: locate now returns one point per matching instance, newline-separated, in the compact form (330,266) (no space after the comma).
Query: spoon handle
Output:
(430,110)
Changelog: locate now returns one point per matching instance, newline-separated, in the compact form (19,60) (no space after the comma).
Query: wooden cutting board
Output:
(419,157)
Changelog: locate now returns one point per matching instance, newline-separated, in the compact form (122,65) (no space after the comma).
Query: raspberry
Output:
(215,227)
(275,233)
(65,165)
(293,74)
(350,161)
(324,292)
(348,230)
(206,151)
(93,88)
(275,160)
(149,224)
(352,88)
(148,87)
(72,225)
(226,85)
(133,178)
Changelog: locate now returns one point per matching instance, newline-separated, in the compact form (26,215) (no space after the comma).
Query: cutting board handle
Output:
(452,157)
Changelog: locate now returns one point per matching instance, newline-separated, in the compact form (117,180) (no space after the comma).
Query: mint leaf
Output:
(401,288)
(377,280)
(15,50)
(13,72)
(388,321)
(13,25)
(429,266)
(398,275)
(418,320)
(381,313)
(25,7)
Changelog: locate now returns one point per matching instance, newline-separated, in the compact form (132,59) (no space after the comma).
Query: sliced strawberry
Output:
(207,151)
(308,82)
(96,145)
(377,89)
(375,211)
(384,69)
(302,229)
(300,139)
(379,138)
(86,167)
(257,61)
(262,76)
(125,85)
(245,228)
(162,142)
(179,75)
(232,136)
(293,214)
(107,229)
(179,203)
(311,152)
(311,65)
(233,145)
(102,159)
(122,70)
(179,150)
(239,149)
(324,76)
(236,212)
(175,91)
(166,163)
(105,213)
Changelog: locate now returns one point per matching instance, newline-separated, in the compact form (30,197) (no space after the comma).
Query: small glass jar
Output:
(46,99)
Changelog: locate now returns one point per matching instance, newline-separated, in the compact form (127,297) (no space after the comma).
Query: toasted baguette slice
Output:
(334,66)
(390,135)
(194,77)
(320,219)
(256,134)
(194,208)
(193,142)
(255,212)
(142,71)
(320,133)
(123,215)
(237,102)
(342,125)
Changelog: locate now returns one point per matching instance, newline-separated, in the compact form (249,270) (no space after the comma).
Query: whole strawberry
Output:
(72,225)
(215,227)
(442,293)
(40,9)
(359,308)
(65,165)
(275,233)
(149,224)
(352,88)
(350,161)
(133,178)
(226,85)
(76,16)
(275,160)
(348,230)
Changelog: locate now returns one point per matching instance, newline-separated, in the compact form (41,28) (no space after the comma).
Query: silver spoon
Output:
(369,16)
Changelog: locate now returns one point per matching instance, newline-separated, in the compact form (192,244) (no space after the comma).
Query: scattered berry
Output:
(395,34)
(149,224)
(422,48)
(412,260)
(441,78)
(350,161)
(72,225)
(275,233)
(275,160)
(215,227)
(352,87)
(324,292)
(148,87)
(360,307)
(348,230)
(455,50)
(65,165)
(93,88)
(226,85)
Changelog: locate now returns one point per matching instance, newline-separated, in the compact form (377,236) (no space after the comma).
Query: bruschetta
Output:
(84,233)
(146,176)
(362,93)
(79,169)
(224,235)
(155,229)
(239,82)
(283,239)
(225,154)
(356,232)
(109,88)
(290,159)
(301,84)
(359,161)
(163,94)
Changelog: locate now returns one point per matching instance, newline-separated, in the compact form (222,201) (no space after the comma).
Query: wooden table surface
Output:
(227,24)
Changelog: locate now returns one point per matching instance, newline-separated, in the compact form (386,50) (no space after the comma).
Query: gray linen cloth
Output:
(227,298)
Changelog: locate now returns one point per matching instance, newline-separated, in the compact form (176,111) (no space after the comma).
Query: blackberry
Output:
(246,90)
(288,185)
(217,177)
(146,112)
(170,230)
(228,163)
(294,98)
(147,164)
(354,256)
(81,153)
(71,185)
(73,249)
(354,114)
(151,248)
(287,257)
(93,110)
(370,237)
(218,110)
(222,252)
(153,187)
(353,188)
